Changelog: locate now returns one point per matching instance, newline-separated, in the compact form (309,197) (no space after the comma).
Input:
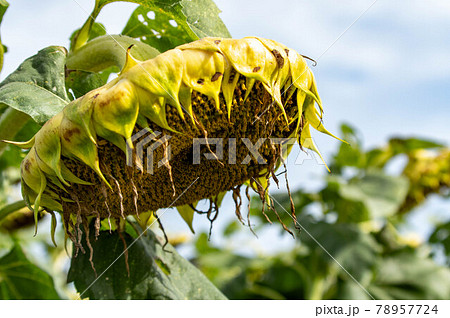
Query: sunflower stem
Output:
(82,35)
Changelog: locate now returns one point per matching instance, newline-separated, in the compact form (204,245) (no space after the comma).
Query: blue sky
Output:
(388,74)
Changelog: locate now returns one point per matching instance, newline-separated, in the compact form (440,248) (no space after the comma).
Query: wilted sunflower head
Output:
(190,124)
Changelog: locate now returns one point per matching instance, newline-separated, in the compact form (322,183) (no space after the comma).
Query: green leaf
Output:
(378,157)
(37,86)
(222,266)
(381,194)
(203,246)
(348,155)
(348,290)
(406,145)
(165,25)
(81,82)
(203,18)
(3,6)
(348,210)
(355,250)
(21,279)
(408,275)
(155,273)
(106,51)
(232,228)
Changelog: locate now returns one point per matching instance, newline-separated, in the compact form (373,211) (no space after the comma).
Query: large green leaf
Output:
(106,51)
(381,194)
(155,273)
(37,86)
(167,24)
(203,18)
(352,248)
(408,275)
(348,210)
(21,279)
(80,82)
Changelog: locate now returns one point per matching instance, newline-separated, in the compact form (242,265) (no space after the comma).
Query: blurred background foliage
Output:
(350,244)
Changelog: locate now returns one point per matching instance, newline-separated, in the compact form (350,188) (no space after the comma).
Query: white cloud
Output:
(395,41)
(370,72)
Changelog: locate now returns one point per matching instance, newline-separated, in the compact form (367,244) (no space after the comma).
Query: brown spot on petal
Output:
(256,69)
(217,41)
(216,76)
(232,75)
(201,81)
(95,96)
(27,165)
(70,132)
(103,102)
(287,52)
(279,58)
